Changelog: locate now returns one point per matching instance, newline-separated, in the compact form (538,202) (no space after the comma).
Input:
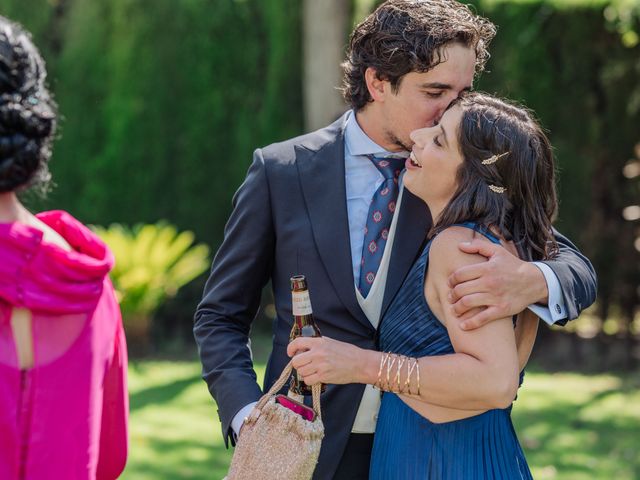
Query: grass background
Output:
(572,426)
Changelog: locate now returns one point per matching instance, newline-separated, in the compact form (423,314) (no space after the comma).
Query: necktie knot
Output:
(390,167)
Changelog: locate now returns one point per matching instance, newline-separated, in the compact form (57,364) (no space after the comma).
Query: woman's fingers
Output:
(302,359)
(300,344)
(312,379)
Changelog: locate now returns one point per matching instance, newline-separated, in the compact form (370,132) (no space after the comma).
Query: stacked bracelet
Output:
(393,383)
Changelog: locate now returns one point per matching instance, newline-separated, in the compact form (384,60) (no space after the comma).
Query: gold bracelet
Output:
(383,360)
(389,367)
(377,382)
(411,366)
(401,361)
(389,359)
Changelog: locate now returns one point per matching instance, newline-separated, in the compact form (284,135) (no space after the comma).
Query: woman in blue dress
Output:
(485,170)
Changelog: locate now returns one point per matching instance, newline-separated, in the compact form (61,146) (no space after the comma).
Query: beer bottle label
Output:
(301,303)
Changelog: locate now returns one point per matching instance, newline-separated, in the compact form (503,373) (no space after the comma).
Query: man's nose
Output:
(449,99)
(440,112)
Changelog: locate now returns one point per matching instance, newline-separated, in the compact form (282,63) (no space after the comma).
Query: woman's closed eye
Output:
(436,141)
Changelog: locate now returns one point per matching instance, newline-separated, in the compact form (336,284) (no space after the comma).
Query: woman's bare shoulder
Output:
(445,256)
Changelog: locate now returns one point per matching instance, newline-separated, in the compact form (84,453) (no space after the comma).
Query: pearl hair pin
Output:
(497,189)
(494,158)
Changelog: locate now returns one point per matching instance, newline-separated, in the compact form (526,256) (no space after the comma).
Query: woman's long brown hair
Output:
(524,212)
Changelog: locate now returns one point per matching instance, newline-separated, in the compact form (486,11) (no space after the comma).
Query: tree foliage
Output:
(164,102)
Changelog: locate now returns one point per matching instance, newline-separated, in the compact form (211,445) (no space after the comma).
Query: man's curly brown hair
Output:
(403,36)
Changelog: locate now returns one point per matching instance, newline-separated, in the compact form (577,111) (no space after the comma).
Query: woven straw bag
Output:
(277,442)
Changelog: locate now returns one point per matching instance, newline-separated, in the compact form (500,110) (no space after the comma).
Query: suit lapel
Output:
(414,222)
(322,177)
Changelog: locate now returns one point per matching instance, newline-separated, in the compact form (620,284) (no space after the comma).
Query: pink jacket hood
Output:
(44,277)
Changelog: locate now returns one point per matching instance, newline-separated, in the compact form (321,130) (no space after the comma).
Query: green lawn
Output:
(572,426)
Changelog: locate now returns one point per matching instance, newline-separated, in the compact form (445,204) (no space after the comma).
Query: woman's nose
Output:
(417,136)
(414,136)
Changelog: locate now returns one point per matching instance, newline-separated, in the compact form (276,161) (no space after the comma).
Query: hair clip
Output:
(494,158)
(497,189)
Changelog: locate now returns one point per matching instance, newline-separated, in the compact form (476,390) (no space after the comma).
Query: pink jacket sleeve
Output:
(115,413)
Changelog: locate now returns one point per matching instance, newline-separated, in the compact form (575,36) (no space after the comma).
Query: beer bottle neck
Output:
(303,320)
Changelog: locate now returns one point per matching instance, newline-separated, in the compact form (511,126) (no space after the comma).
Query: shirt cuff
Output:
(238,420)
(556,309)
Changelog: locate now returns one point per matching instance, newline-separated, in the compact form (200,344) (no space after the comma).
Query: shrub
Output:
(152,263)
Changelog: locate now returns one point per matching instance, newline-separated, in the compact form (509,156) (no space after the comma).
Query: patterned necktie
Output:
(379,219)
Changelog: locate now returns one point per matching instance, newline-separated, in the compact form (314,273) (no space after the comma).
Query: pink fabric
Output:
(67,417)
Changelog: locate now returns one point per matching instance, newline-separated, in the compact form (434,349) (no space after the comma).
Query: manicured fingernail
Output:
(464,325)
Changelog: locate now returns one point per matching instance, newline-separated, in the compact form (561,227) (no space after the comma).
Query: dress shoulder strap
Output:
(481,229)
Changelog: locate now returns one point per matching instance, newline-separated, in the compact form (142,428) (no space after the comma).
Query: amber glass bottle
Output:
(303,325)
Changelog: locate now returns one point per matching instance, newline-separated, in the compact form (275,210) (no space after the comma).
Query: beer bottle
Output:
(303,326)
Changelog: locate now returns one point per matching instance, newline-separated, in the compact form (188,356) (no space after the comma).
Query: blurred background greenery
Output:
(163,103)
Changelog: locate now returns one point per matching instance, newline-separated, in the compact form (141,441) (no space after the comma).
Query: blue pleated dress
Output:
(407,446)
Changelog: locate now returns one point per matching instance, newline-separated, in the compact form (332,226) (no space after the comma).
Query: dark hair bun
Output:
(28,114)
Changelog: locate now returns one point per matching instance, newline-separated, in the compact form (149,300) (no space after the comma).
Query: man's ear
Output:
(377,88)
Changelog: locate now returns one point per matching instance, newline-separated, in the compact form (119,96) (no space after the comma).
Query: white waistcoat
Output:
(367,415)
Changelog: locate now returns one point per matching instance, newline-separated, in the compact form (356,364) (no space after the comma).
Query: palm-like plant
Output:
(152,263)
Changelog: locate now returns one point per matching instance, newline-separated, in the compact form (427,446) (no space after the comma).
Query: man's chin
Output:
(404,146)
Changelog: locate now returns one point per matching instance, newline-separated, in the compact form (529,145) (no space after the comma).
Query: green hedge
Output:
(164,102)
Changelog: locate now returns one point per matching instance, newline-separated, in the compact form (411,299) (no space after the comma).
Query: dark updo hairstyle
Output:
(27,111)
(519,159)
(404,36)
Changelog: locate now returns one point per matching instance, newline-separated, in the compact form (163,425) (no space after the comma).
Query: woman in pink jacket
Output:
(63,394)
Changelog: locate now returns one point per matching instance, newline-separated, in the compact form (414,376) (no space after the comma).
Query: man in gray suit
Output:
(304,209)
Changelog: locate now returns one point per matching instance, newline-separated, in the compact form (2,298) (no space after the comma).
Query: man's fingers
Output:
(466,288)
(473,300)
(466,273)
(480,246)
(480,319)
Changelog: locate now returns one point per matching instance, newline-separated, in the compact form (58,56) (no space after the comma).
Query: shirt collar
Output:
(358,143)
